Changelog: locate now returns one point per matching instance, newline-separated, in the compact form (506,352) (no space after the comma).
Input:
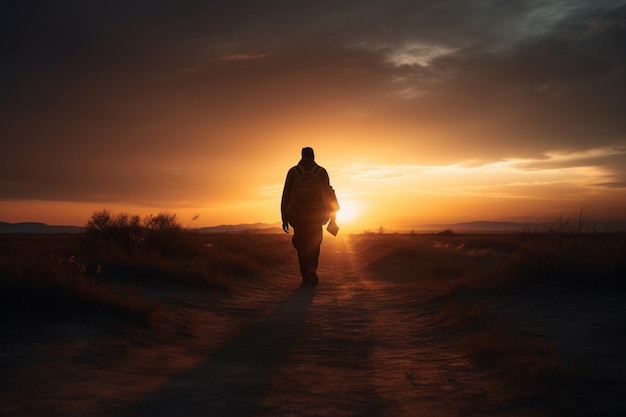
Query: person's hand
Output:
(286,227)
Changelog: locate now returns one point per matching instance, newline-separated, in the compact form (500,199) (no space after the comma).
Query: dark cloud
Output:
(120,81)
(559,89)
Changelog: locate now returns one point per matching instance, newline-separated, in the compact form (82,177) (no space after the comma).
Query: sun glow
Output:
(348,212)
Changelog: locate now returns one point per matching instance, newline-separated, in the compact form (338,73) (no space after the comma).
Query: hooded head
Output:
(307,153)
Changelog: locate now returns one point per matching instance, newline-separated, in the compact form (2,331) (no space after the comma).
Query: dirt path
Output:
(350,347)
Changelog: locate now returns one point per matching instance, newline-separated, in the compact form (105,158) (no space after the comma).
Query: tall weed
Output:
(572,254)
(102,269)
(39,276)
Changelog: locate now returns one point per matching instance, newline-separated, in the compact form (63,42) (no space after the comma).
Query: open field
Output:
(437,325)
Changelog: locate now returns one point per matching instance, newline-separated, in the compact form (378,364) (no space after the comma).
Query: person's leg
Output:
(314,243)
(313,240)
(299,242)
(307,239)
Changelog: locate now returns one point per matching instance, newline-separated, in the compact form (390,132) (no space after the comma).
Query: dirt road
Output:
(349,347)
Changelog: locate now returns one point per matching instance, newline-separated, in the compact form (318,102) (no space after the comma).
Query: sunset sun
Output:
(348,212)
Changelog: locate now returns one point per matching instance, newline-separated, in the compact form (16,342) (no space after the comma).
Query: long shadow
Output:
(232,381)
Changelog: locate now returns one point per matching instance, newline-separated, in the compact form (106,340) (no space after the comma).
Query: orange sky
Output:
(420,113)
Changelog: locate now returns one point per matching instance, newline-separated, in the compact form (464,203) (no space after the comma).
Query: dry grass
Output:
(460,276)
(528,366)
(444,263)
(40,275)
(103,270)
(577,260)
(438,266)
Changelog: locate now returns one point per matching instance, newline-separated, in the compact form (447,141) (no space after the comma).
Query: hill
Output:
(483,226)
(261,228)
(587,225)
(42,228)
(37,228)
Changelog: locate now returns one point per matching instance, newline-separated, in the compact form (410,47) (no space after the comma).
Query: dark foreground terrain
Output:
(402,325)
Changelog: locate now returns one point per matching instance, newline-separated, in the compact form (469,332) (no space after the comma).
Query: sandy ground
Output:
(353,346)
(589,329)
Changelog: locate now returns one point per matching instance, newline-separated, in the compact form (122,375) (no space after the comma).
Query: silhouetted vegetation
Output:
(159,248)
(128,234)
(102,269)
(42,275)
(573,253)
(446,232)
(459,276)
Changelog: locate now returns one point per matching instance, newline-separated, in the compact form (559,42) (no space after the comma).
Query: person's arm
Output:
(285,199)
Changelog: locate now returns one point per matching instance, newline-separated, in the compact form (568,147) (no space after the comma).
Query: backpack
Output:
(307,200)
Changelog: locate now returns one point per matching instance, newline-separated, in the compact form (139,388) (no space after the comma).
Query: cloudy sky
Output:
(421,111)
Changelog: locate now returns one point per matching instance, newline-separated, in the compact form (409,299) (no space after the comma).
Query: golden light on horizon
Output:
(375,192)
(348,213)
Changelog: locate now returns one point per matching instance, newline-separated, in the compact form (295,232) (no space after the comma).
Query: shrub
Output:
(447,232)
(163,233)
(159,248)
(122,233)
(126,234)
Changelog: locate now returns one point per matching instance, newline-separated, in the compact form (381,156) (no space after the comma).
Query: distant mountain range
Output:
(483,226)
(265,228)
(42,228)
(37,228)
(501,227)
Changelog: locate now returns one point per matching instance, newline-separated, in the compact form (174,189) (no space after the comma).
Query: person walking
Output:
(308,203)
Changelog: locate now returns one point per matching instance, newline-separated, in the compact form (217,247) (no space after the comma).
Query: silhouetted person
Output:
(307,204)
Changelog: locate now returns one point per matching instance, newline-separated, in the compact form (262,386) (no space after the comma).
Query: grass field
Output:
(52,274)
(456,279)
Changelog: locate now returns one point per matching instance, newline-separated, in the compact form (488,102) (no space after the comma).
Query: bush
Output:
(100,270)
(122,233)
(159,248)
(163,233)
(125,234)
